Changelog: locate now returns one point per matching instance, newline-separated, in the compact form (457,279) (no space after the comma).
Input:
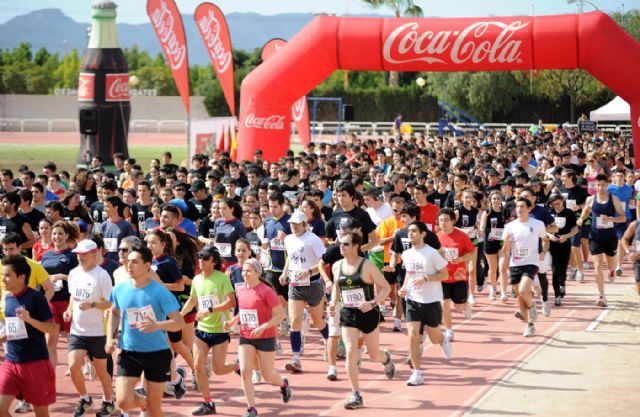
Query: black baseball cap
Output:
(197,185)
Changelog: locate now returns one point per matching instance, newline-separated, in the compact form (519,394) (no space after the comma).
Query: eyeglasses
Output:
(180,190)
(396,210)
(123,250)
(345,244)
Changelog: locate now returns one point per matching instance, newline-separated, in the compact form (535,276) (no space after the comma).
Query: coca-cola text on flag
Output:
(116,87)
(86,86)
(167,22)
(487,44)
(213,28)
(299,110)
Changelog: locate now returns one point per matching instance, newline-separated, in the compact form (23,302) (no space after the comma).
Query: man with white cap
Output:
(90,289)
(304,251)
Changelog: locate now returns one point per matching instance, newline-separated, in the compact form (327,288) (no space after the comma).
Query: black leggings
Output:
(560,254)
(544,286)
(481,265)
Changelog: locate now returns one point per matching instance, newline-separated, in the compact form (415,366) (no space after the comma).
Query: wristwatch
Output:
(93,304)
(210,309)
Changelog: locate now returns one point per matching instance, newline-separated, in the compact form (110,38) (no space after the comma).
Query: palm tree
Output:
(400,8)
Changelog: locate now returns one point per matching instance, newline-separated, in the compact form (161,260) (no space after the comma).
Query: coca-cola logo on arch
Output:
(272,122)
(490,42)
(116,87)
(210,29)
(163,21)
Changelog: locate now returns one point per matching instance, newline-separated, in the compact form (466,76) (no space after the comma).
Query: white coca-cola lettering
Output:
(273,122)
(117,87)
(210,29)
(297,110)
(162,20)
(85,86)
(405,44)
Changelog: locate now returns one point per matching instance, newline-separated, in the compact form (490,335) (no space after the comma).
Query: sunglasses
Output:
(123,249)
(345,244)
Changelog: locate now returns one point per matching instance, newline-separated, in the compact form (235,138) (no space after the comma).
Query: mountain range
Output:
(52,29)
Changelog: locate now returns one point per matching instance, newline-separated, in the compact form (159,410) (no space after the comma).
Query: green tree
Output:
(400,8)
(578,85)
(68,72)
(14,80)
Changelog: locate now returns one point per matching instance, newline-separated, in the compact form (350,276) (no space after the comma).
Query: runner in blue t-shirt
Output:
(148,311)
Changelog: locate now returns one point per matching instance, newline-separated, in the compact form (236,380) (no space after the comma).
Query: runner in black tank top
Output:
(492,225)
(356,279)
(467,220)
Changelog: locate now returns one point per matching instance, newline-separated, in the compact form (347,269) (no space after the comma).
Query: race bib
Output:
(450,253)
(406,243)
(277,244)
(224,249)
(561,222)
(290,195)
(470,231)
(249,318)
(136,316)
(111,244)
(299,279)
(522,252)
(3,232)
(15,328)
(83,291)
(58,285)
(591,187)
(602,224)
(205,302)
(353,298)
(496,234)
(571,204)
(255,248)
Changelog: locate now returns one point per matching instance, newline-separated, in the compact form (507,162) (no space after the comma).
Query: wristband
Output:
(210,309)
(93,304)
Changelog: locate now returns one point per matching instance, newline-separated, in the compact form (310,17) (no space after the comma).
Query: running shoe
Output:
(574,272)
(294,366)
(513,293)
(504,298)
(236,367)
(194,382)
(479,288)
(283,328)
(529,331)
(389,367)
(448,334)
(546,308)
(415,379)
(22,407)
(141,391)
(180,388)
(558,301)
(205,409)
(602,301)
(563,291)
(446,348)
(612,274)
(332,374)
(88,370)
(518,315)
(354,402)
(251,412)
(471,299)
(397,325)
(619,271)
(82,407)
(256,377)
(106,409)
(342,351)
(586,265)
(492,293)
(579,276)
(285,391)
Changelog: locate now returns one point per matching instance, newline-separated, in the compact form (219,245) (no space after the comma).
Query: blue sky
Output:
(133,11)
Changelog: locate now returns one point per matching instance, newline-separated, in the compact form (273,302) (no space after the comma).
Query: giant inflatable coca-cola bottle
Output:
(103,90)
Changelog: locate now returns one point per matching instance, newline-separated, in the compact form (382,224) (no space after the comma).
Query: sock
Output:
(86,397)
(176,381)
(208,399)
(296,341)
(110,400)
(325,332)
(332,368)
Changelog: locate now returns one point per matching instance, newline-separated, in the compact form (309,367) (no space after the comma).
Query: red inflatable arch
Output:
(592,41)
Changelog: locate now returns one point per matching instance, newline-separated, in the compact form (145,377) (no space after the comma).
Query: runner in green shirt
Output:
(213,295)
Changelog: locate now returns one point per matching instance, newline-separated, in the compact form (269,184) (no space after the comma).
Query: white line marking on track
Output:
(598,319)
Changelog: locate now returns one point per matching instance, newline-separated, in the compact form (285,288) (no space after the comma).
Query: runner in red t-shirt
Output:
(428,211)
(458,251)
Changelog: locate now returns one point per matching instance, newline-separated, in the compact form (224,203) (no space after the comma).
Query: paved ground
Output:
(584,373)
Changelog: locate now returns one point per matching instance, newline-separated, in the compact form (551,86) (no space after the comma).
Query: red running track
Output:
(486,348)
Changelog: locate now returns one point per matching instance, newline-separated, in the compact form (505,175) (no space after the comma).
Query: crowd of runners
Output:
(144,269)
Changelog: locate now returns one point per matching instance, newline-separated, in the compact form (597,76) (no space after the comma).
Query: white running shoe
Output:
(533,313)
(546,308)
(492,293)
(602,301)
(579,276)
(504,298)
(397,325)
(415,379)
(256,377)
(332,374)
(529,331)
(586,265)
(446,348)
(471,299)
(448,334)
(572,275)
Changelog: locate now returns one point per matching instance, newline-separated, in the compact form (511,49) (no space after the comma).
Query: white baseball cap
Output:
(85,246)
(298,217)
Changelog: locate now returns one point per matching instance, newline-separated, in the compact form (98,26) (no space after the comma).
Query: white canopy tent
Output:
(615,110)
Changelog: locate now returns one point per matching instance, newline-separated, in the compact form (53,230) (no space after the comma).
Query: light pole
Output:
(581,5)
